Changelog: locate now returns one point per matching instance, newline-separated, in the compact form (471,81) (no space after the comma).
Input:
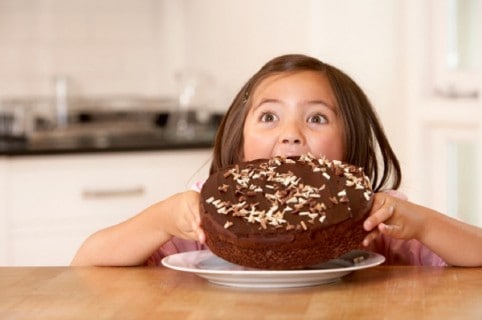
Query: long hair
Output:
(366,143)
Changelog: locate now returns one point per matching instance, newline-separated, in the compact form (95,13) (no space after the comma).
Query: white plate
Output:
(216,270)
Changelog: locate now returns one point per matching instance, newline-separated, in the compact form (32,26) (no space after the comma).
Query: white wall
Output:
(232,39)
(364,38)
(105,47)
(136,46)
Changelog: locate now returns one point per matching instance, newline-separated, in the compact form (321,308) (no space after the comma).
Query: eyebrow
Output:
(318,101)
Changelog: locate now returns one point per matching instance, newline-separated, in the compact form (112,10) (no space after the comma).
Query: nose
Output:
(291,134)
(291,140)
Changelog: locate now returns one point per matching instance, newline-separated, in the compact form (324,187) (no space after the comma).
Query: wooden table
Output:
(159,293)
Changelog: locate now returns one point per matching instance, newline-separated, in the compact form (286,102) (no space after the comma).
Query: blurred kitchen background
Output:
(107,106)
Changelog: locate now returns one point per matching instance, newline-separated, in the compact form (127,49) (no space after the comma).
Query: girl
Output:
(293,105)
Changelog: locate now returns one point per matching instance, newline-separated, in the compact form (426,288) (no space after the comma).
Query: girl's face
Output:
(293,114)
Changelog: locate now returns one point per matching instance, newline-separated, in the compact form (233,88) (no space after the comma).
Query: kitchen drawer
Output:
(46,246)
(101,188)
(3,210)
(51,204)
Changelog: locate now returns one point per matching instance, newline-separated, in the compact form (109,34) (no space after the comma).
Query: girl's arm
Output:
(458,243)
(133,241)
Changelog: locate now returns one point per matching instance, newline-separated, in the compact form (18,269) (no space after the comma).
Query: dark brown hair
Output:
(366,144)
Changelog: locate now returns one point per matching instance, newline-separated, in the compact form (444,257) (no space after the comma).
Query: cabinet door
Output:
(444,88)
(3,211)
(456,48)
(57,201)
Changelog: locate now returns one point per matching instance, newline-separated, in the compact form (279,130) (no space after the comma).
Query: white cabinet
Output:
(3,210)
(444,106)
(54,202)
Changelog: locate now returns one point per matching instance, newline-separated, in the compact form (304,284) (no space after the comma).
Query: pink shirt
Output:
(396,252)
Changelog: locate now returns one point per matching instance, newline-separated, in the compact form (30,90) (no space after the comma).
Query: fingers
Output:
(198,232)
(370,237)
(191,231)
(383,210)
(201,236)
(383,214)
(389,229)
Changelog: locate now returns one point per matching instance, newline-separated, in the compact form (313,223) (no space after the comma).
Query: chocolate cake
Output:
(285,213)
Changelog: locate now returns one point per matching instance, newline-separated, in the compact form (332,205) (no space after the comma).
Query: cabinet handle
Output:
(110,193)
(452,92)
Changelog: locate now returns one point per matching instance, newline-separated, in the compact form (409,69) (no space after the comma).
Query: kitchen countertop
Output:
(383,292)
(26,149)
(104,143)
(114,133)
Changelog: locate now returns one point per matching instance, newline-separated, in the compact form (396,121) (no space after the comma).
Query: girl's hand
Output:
(393,217)
(133,241)
(183,220)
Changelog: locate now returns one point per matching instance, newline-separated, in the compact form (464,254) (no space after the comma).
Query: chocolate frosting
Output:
(279,199)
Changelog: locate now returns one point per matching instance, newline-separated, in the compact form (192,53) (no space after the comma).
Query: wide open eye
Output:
(318,118)
(268,117)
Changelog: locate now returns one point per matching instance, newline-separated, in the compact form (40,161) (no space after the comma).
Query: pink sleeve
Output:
(197,186)
(175,245)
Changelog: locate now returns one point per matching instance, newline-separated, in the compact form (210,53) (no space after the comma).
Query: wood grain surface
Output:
(158,293)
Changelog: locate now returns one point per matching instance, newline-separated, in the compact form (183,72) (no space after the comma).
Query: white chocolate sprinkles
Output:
(286,193)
